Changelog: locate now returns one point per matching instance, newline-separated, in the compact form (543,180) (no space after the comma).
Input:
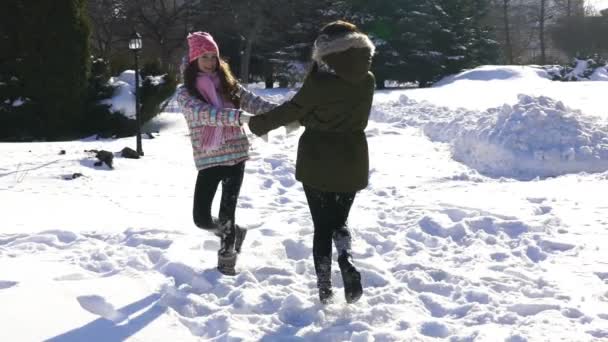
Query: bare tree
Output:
(542,21)
(165,24)
(109,25)
(507,28)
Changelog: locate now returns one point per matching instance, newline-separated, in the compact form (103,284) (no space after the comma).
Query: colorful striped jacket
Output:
(199,114)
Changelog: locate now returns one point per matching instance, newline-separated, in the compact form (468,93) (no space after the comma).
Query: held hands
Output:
(244,117)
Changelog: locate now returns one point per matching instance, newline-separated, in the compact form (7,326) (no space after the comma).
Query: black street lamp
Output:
(135,46)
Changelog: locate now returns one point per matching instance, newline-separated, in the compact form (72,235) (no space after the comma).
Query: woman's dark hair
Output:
(338,27)
(335,28)
(229,85)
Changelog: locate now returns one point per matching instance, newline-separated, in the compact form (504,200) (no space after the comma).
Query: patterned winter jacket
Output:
(199,113)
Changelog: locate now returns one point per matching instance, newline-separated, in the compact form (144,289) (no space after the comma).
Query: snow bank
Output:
(496,73)
(536,137)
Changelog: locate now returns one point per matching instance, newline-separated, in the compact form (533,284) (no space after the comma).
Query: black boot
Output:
(226,262)
(323,270)
(240,237)
(226,256)
(351,278)
(326,295)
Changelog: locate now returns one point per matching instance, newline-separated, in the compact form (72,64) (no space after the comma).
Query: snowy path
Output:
(445,252)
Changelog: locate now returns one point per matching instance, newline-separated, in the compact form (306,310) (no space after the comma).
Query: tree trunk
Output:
(268,74)
(246,50)
(245,60)
(543,52)
(509,46)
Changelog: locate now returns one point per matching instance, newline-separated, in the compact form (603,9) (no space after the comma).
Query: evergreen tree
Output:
(50,58)
(422,41)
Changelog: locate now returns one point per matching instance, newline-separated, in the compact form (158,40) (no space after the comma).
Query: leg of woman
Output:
(342,239)
(204,191)
(319,202)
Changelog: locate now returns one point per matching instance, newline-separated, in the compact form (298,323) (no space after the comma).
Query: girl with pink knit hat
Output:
(211,100)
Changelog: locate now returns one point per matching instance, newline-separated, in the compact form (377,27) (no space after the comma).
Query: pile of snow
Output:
(536,137)
(496,73)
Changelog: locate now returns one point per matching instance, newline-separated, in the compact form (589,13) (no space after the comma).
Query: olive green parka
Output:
(334,108)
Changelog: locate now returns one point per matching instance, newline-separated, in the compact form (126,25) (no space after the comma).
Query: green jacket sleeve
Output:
(293,110)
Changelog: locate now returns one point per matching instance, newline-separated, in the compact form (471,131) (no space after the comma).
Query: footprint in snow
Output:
(435,329)
(602,275)
(5,284)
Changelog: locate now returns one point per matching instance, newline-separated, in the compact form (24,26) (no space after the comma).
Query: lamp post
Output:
(135,46)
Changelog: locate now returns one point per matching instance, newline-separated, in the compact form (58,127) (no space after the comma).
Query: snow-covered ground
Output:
(461,235)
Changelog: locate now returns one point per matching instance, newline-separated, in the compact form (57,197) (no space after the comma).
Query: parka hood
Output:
(352,65)
(349,55)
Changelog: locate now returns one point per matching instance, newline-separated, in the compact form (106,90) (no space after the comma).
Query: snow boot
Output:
(351,278)
(226,256)
(323,270)
(326,295)
(239,238)
(226,262)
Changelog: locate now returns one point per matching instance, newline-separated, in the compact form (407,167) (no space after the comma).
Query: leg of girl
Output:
(204,191)
(232,236)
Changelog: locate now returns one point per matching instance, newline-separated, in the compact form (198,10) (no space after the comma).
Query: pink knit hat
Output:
(200,43)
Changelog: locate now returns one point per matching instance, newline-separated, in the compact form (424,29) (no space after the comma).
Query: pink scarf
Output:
(213,137)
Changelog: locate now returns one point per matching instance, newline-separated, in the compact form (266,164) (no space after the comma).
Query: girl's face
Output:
(207,62)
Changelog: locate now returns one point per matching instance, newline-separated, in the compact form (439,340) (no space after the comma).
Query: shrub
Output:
(155,91)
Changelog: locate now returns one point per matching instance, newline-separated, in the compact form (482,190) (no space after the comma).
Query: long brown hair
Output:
(229,85)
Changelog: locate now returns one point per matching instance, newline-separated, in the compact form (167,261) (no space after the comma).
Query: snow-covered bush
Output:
(288,73)
(591,69)
(154,91)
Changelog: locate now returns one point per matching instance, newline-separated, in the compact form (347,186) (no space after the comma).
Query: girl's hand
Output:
(244,117)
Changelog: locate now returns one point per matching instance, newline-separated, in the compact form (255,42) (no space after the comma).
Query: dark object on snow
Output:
(62,152)
(105,157)
(149,135)
(129,153)
(73,176)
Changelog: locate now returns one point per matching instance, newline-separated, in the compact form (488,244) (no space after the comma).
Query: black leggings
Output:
(206,186)
(329,212)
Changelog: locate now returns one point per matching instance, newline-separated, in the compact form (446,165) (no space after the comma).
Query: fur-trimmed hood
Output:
(325,45)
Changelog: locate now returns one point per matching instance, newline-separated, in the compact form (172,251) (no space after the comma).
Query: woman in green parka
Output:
(333,164)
